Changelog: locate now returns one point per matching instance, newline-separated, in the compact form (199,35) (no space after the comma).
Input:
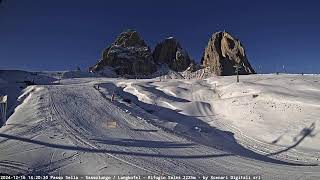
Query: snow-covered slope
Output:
(278,112)
(13,82)
(266,124)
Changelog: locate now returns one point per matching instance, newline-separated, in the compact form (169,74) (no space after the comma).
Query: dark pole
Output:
(237,76)
(237,66)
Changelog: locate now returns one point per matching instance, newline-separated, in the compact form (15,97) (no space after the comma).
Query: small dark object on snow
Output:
(127,100)
(112,97)
(255,95)
(150,111)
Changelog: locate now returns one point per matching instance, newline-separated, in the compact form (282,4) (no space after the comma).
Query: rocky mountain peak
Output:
(129,38)
(223,52)
(170,52)
(128,55)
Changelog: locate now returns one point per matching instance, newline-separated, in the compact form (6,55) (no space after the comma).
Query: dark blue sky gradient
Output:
(64,34)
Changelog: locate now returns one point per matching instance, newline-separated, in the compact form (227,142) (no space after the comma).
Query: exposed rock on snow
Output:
(170,52)
(223,52)
(164,72)
(129,54)
(192,72)
(197,73)
(76,74)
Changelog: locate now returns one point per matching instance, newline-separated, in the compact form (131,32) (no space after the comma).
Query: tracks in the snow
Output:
(79,138)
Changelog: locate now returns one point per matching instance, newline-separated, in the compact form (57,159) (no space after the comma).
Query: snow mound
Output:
(17,76)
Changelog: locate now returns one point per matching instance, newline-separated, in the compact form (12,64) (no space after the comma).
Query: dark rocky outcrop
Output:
(223,52)
(171,53)
(128,55)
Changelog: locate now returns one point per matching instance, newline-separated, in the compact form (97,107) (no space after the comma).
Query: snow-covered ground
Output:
(14,82)
(265,125)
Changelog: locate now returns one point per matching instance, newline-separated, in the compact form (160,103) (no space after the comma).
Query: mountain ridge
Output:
(129,55)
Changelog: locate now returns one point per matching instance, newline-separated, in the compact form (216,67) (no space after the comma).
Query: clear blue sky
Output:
(64,34)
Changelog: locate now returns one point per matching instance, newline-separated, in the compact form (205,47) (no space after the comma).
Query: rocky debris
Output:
(128,55)
(223,52)
(193,67)
(164,72)
(199,73)
(171,53)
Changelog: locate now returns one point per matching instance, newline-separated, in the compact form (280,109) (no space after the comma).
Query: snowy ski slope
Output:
(265,125)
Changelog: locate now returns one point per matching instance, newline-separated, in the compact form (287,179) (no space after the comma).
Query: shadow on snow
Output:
(93,150)
(192,128)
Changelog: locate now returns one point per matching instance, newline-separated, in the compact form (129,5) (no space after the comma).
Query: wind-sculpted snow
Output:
(170,127)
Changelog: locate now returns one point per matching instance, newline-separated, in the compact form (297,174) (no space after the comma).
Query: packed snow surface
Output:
(265,125)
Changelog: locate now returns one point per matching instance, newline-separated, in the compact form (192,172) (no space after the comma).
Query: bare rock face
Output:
(128,55)
(223,52)
(170,52)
